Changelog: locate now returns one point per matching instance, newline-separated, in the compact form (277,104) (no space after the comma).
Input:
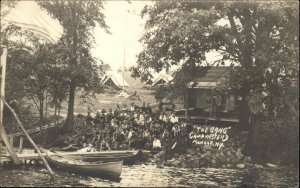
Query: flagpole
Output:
(124,46)
(123,63)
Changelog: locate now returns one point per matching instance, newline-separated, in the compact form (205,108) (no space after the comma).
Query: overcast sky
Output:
(126,26)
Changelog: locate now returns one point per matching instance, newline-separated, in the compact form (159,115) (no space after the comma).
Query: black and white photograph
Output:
(149,93)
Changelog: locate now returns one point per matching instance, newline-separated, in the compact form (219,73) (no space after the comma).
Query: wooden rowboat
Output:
(127,156)
(103,169)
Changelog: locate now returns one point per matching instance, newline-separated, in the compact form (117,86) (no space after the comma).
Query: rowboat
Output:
(104,169)
(127,156)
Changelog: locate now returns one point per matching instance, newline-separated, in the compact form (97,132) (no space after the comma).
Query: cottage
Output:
(204,102)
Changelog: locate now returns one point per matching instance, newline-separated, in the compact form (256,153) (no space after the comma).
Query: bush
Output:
(276,141)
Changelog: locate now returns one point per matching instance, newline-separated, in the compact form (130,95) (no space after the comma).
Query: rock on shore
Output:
(230,156)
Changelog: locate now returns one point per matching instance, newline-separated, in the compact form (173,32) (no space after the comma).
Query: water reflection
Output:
(153,176)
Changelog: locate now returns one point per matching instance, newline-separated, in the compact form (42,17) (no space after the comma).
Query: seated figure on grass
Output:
(156,146)
(105,137)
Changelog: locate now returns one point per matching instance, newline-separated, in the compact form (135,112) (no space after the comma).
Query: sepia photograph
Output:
(149,93)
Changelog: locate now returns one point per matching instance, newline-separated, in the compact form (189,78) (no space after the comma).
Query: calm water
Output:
(154,176)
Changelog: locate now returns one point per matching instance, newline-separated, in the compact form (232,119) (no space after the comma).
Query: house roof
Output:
(210,77)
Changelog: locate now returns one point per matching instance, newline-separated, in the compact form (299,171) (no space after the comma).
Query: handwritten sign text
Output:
(210,136)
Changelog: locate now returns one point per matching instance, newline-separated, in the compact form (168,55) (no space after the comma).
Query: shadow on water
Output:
(111,178)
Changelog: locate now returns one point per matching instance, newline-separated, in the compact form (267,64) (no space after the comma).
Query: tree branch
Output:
(234,29)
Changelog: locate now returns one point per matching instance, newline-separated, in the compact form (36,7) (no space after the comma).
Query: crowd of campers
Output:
(132,127)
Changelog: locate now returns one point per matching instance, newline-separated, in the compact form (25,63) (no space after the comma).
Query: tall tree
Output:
(254,36)
(32,73)
(78,19)
(260,41)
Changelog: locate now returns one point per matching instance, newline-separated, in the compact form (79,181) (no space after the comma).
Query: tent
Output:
(161,79)
(113,79)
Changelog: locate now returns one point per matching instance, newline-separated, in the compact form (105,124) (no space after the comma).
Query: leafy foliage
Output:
(80,67)
(258,39)
(45,72)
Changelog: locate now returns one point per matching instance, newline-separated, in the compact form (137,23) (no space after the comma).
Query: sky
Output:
(122,45)
(126,27)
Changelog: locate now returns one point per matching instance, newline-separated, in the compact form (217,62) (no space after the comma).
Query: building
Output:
(203,101)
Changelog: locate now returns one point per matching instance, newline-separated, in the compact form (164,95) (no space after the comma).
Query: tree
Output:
(260,41)
(27,66)
(33,74)
(78,19)
(50,71)
(248,35)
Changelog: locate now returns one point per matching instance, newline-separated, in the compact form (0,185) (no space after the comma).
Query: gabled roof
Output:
(209,77)
(162,79)
(113,79)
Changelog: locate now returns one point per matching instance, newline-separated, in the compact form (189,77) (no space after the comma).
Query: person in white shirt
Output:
(89,148)
(132,107)
(140,120)
(130,137)
(173,118)
(163,117)
(156,144)
(125,108)
(149,119)
(176,129)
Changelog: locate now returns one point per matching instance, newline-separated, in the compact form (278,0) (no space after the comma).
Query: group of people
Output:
(133,127)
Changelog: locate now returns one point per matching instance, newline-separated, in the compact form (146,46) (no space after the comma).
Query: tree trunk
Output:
(68,127)
(244,114)
(58,109)
(46,106)
(55,110)
(41,111)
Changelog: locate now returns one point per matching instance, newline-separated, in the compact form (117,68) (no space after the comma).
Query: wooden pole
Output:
(3,133)
(186,104)
(29,138)
(11,140)
(20,145)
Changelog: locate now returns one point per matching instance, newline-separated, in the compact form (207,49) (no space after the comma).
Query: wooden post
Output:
(11,140)
(3,133)
(20,145)
(29,138)
(186,104)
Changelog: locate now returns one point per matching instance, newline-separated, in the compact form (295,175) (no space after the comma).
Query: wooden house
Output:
(204,102)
